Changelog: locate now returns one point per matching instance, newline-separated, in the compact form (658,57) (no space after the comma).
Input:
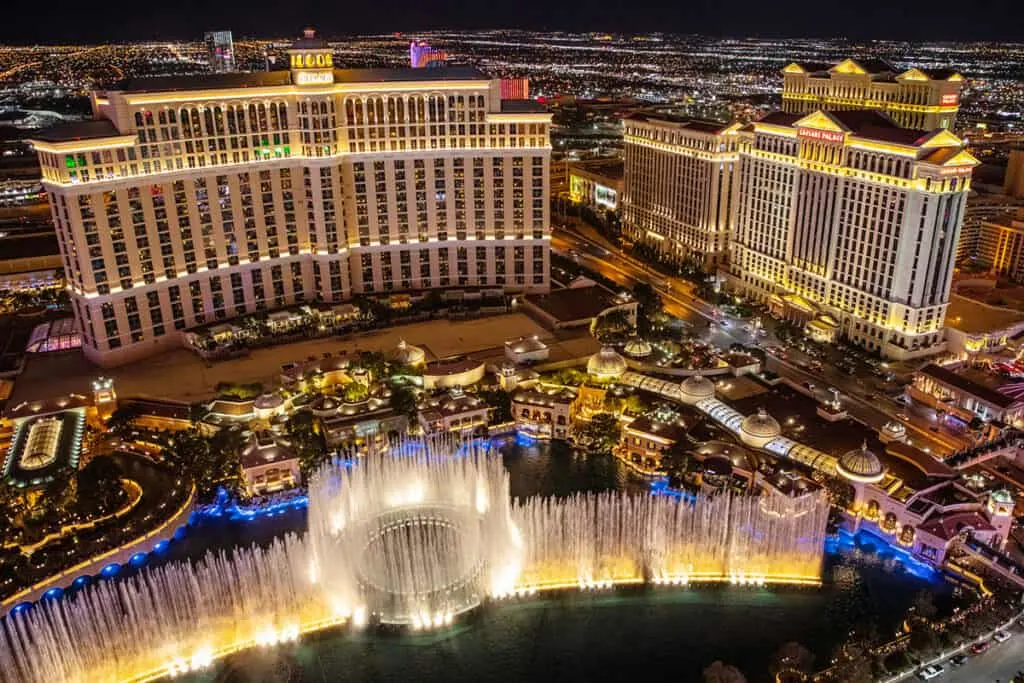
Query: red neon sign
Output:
(823,135)
(950,99)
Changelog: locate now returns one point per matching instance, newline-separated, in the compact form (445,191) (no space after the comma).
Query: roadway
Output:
(861,395)
(1001,663)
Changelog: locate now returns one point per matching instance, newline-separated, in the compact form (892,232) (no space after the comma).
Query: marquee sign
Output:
(312,60)
(821,135)
(952,98)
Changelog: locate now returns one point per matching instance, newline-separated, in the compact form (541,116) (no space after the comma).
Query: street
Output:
(861,393)
(1000,663)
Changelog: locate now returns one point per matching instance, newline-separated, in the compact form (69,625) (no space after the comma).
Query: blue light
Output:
(22,607)
(53,593)
(111,570)
(138,559)
(846,541)
(660,487)
(162,546)
(80,581)
(180,533)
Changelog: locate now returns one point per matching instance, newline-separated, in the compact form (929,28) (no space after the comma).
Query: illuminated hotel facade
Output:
(189,200)
(679,186)
(849,224)
(916,98)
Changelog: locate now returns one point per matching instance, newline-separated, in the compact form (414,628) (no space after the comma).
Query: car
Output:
(1001,637)
(958,660)
(930,672)
(903,416)
(978,648)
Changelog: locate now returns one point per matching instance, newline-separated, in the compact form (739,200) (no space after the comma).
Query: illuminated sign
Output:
(957,170)
(822,135)
(310,60)
(950,99)
(314,77)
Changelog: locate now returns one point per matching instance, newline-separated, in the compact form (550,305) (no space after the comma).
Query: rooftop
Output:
(645,424)
(575,303)
(78,130)
(978,383)
(259,79)
(683,122)
(973,317)
(867,124)
(33,245)
(511,106)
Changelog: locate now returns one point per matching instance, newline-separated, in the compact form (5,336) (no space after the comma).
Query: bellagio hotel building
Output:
(188,200)
(849,223)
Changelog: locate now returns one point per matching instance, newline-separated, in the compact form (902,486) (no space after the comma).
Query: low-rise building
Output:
(526,350)
(646,440)
(450,373)
(973,327)
(597,183)
(967,392)
(454,411)
(544,412)
(578,305)
(269,464)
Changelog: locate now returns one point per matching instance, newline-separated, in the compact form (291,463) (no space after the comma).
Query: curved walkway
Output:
(151,500)
(731,419)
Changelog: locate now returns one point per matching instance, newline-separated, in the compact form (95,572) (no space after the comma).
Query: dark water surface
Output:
(661,634)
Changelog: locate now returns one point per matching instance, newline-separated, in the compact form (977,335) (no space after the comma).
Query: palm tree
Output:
(720,672)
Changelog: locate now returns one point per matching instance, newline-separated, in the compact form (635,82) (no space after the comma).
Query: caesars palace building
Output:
(188,200)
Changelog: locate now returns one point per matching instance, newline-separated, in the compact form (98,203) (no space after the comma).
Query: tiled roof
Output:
(948,526)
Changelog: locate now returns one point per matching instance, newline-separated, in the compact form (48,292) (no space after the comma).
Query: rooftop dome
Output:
(407,354)
(637,348)
(759,428)
(268,401)
(606,364)
(323,404)
(527,344)
(696,388)
(861,465)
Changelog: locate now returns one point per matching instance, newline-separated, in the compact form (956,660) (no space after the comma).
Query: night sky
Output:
(50,21)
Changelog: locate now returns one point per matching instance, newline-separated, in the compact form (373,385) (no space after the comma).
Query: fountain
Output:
(412,540)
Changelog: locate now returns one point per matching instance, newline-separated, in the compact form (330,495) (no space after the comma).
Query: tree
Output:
(792,657)
(99,488)
(676,462)
(602,432)
(309,442)
(720,672)
(615,322)
(403,401)
(501,404)
(924,605)
(356,392)
(122,420)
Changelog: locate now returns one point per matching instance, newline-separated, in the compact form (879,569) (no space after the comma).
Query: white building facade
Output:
(679,187)
(190,200)
(846,219)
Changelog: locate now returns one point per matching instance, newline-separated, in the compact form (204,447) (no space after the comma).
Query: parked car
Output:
(958,660)
(930,672)
(1001,637)
(978,648)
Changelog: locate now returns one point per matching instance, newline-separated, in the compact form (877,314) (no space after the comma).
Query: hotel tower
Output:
(188,200)
(678,186)
(914,98)
(848,224)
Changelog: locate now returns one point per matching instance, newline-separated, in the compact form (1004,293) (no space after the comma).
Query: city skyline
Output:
(67,22)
